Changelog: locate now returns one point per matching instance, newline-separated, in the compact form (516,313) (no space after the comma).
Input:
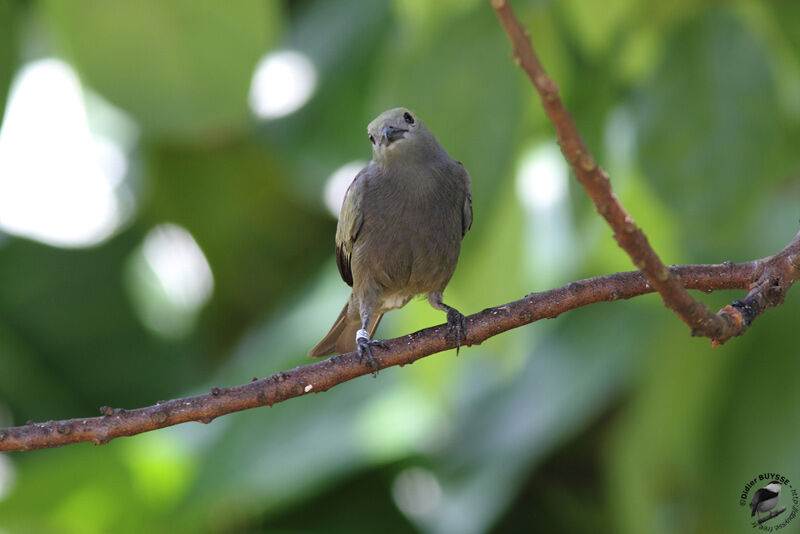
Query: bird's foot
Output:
(456,327)
(365,345)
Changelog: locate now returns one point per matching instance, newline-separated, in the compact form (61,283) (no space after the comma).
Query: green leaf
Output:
(709,126)
(9,23)
(503,427)
(330,130)
(73,319)
(56,492)
(260,239)
(703,423)
(179,67)
(597,24)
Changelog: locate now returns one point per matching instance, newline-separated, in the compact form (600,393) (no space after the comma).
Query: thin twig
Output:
(719,327)
(773,514)
(778,274)
(321,376)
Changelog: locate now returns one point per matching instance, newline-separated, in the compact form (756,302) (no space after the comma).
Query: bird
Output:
(399,232)
(765,499)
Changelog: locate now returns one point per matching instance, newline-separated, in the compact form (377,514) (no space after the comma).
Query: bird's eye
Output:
(409,119)
(371,139)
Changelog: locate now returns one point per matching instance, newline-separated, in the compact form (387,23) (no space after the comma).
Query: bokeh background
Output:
(169,175)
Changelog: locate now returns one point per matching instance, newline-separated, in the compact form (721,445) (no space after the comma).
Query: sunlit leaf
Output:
(181,67)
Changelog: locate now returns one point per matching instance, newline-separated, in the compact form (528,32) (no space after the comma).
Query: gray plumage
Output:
(400,229)
(766,498)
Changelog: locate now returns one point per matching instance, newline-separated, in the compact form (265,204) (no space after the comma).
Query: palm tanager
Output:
(399,232)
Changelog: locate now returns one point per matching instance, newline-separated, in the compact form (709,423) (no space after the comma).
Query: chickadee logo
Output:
(768,496)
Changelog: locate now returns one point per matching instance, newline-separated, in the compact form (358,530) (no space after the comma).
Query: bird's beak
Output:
(390,134)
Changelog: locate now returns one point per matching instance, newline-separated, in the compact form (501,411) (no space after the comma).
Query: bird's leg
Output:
(456,325)
(365,345)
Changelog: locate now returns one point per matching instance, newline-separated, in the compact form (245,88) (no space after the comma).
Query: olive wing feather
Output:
(351,218)
(466,210)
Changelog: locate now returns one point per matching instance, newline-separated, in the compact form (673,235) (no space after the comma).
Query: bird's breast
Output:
(411,235)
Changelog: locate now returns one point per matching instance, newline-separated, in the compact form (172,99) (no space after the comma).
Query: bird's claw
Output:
(456,326)
(365,352)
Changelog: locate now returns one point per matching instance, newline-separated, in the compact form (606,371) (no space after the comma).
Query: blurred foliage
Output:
(9,29)
(198,58)
(610,418)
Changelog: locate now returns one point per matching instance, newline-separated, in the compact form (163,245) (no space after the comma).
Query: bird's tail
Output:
(342,336)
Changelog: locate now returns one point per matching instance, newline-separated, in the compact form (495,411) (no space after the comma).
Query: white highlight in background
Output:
(7,476)
(417,492)
(542,176)
(620,141)
(282,83)
(56,180)
(337,184)
(180,266)
(169,280)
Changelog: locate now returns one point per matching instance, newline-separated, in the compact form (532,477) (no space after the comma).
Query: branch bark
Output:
(321,376)
(719,327)
(773,514)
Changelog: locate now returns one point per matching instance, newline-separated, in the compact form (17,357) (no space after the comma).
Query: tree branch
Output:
(774,513)
(321,376)
(719,327)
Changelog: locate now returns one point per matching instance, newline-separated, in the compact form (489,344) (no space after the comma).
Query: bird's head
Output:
(774,486)
(398,132)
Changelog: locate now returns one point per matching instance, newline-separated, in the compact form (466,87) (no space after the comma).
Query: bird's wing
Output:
(466,215)
(754,502)
(466,210)
(760,496)
(350,220)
